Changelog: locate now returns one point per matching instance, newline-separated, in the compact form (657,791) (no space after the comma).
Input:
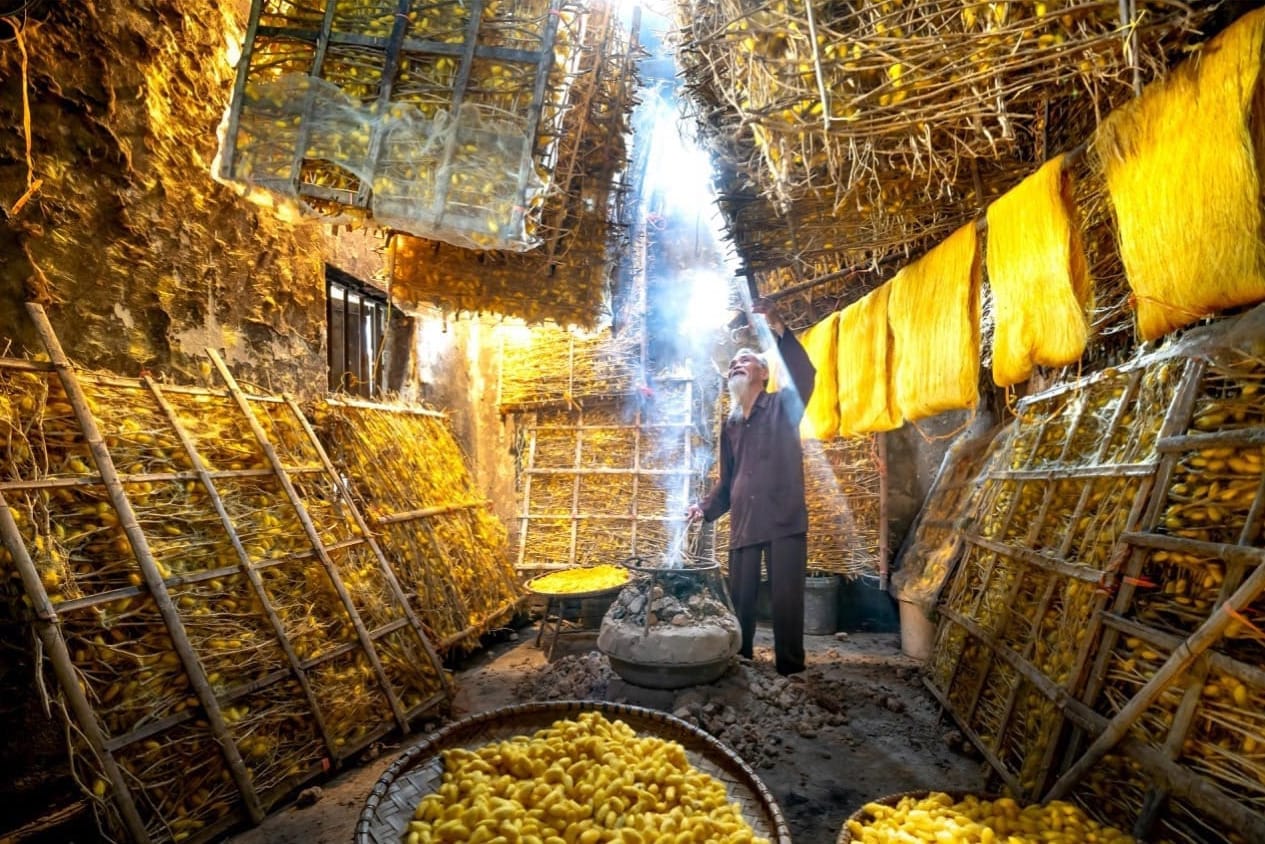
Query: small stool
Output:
(554,617)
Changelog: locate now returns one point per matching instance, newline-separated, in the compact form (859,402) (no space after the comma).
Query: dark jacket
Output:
(761,482)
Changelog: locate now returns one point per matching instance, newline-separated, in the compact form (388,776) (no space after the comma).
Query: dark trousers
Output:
(787,560)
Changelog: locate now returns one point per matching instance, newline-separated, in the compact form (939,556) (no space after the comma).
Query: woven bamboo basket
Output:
(419,771)
(533,587)
(845,837)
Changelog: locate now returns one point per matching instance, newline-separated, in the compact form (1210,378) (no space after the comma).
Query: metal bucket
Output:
(821,596)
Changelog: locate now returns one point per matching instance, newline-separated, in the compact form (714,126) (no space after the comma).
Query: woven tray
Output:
(530,586)
(845,837)
(419,771)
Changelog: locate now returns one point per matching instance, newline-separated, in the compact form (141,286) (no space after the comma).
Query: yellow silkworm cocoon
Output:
(580,781)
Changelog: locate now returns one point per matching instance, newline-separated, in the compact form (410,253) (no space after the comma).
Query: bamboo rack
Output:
(251,700)
(609,481)
(1148,714)
(397,459)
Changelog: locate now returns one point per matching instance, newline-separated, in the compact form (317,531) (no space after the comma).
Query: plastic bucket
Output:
(916,631)
(821,596)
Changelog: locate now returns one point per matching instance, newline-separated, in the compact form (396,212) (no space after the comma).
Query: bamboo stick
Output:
(1244,672)
(575,486)
(393,582)
(344,401)
(1252,522)
(244,565)
(1068,473)
(604,470)
(413,515)
(1087,381)
(150,477)
(1036,558)
(523,519)
(1243,554)
(1029,671)
(883,528)
(48,628)
(1207,635)
(149,568)
(24,365)
(473,628)
(313,535)
(1230,438)
(636,478)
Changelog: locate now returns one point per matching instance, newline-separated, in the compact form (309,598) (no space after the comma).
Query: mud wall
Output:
(457,368)
(142,260)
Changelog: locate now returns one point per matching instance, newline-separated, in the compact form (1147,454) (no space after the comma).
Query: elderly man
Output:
(761,486)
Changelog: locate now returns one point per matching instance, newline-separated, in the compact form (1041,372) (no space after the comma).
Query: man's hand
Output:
(693,513)
(768,310)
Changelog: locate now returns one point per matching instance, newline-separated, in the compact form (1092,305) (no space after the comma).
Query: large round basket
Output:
(419,771)
(845,837)
(533,587)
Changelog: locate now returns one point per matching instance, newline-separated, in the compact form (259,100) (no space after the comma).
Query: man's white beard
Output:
(737,389)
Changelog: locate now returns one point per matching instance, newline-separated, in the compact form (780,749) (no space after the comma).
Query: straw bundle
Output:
(553,365)
(1186,202)
(623,491)
(934,313)
(821,415)
(841,483)
(876,127)
(1038,276)
(455,562)
(866,402)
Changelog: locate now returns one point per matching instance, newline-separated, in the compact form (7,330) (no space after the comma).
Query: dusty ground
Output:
(858,725)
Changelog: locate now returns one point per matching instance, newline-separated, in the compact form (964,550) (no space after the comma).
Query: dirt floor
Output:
(858,724)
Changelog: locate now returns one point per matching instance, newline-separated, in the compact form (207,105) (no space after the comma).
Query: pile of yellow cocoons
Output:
(576,581)
(938,818)
(580,781)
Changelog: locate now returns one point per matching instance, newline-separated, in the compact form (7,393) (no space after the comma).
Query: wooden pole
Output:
(527,475)
(393,582)
(362,634)
(243,558)
(575,487)
(883,529)
(149,567)
(48,628)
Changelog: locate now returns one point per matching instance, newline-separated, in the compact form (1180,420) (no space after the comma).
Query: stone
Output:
(806,729)
(680,620)
(309,797)
(841,636)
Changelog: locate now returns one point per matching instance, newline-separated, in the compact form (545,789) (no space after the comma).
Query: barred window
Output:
(357,318)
